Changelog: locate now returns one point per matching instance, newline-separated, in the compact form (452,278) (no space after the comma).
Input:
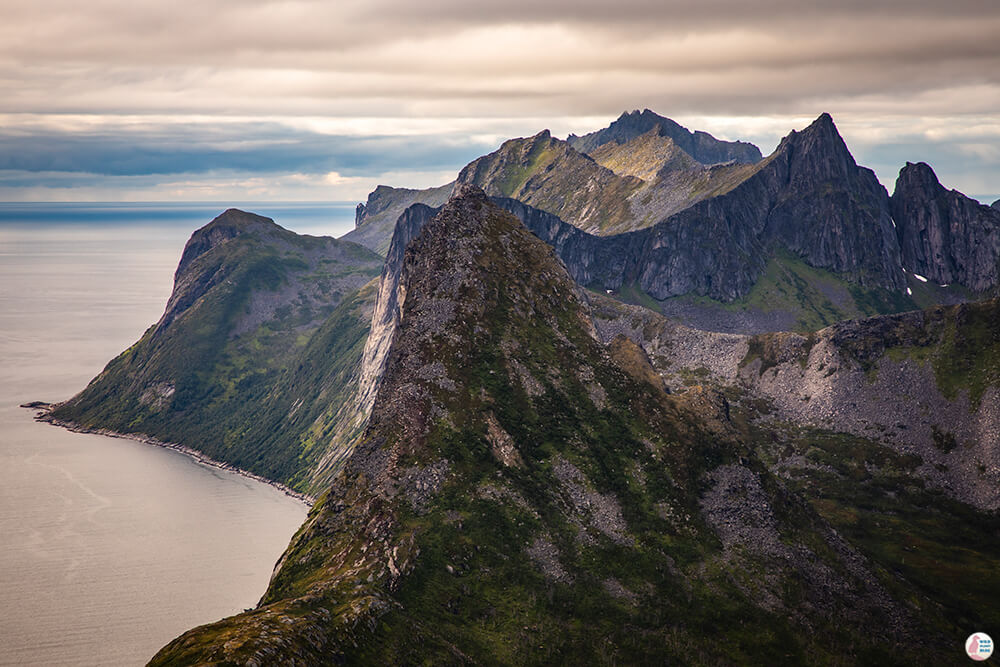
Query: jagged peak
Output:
(819,136)
(700,145)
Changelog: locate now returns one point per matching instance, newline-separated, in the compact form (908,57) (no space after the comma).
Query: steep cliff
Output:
(375,220)
(389,302)
(702,146)
(524,494)
(256,357)
(752,281)
(945,236)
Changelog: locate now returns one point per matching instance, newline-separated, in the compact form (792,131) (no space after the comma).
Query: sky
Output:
(301,100)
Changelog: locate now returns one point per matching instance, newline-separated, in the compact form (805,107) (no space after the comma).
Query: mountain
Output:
(630,180)
(375,220)
(549,174)
(801,239)
(526,493)
(255,358)
(701,146)
(804,241)
(944,235)
(888,425)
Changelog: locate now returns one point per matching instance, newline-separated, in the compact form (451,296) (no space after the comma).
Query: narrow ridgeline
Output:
(525,494)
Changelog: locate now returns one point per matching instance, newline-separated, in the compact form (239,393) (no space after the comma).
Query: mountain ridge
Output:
(230,368)
(509,452)
(701,146)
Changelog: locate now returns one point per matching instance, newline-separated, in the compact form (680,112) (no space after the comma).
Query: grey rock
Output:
(811,198)
(389,303)
(375,219)
(945,236)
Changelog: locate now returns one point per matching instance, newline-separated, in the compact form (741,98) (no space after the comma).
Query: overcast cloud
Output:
(130,99)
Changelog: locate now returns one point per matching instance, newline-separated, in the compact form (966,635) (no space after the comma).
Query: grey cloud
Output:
(247,147)
(378,53)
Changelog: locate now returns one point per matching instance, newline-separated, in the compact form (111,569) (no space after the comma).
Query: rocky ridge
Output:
(809,199)
(549,174)
(923,383)
(375,220)
(520,496)
(701,146)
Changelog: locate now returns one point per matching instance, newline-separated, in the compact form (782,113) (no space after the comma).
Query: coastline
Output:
(43,414)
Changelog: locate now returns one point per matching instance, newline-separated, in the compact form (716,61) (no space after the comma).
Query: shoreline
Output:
(43,414)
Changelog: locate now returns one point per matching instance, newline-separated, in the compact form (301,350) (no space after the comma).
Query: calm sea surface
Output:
(110,548)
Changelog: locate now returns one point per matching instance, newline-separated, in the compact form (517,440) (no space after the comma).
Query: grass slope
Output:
(248,371)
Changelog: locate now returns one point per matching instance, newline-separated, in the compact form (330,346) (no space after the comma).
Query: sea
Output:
(110,548)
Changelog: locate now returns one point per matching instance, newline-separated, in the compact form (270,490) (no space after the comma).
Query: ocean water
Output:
(110,548)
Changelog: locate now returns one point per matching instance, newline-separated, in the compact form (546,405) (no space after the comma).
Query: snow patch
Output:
(920,277)
(909,291)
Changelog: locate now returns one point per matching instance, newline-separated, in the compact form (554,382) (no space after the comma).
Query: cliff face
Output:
(799,240)
(921,383)
(809,197)
(222,371)
(945,236)
(389,303)
(702,146)
(375,220)
(525,494)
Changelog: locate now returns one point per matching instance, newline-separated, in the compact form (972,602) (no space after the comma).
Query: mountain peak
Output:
(944,235)
(228,225)
(702,146)
(822,140)
(917,174)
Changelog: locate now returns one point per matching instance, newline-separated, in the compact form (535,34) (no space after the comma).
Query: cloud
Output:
(367,87)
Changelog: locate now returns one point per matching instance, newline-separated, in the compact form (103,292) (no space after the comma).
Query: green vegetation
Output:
(262,390)
(940,554)
(816,297)
(548,174)
(592,545)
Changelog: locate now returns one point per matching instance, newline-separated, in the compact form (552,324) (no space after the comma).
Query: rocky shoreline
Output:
(43,414)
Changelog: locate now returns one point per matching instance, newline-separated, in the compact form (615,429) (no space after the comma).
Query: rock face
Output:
(921,383)
(231,368)
(519,497)
(809,197)
(702,146)
(945,236)
(389,303)
(646,209)
(375,220)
